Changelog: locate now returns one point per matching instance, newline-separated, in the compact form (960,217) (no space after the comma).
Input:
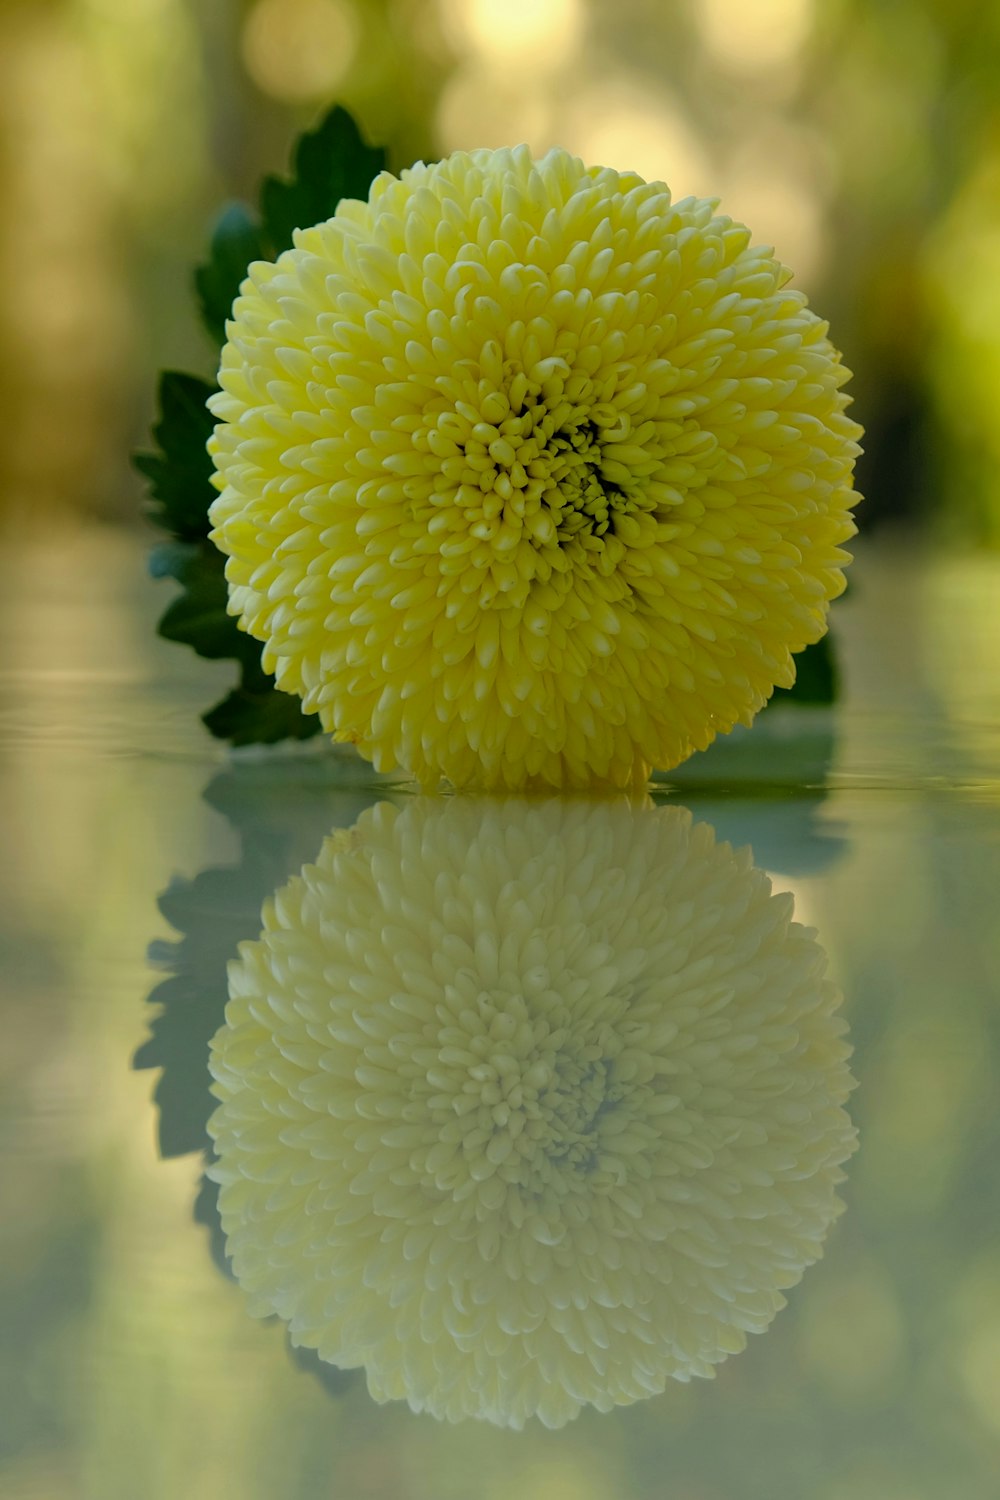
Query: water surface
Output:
(130,1363)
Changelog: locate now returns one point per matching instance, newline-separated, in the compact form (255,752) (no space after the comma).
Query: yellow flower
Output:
(529,476)
(527,1106)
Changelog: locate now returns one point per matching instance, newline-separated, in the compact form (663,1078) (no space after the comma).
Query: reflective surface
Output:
(130,1363)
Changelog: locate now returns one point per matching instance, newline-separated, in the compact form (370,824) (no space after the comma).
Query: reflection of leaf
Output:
(330,163)
(280,819)
(236,241)
(781,763)
(787,751)
(335,1382)
(211,919)
(277,803)
(180,474)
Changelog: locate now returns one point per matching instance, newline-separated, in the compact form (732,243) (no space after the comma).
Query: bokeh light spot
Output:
(477,108)
(779,181)
(754,38)
(534,33)
(622,124)
(298,50)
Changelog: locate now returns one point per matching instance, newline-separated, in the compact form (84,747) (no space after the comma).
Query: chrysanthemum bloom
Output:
(526,1107)
(530,477)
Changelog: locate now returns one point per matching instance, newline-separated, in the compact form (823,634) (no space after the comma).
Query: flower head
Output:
(530,476)
(527,1106)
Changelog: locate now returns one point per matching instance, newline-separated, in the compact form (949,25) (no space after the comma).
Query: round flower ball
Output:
(529,475)
(527,1107)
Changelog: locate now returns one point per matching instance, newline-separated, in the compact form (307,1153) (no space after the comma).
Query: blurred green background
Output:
(860,137)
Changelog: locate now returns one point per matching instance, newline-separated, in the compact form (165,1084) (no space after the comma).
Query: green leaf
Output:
(260,716)
(180,474)
(171,559)
(198,616)
(236,241)
(330,163)
(255,712)
(816,677)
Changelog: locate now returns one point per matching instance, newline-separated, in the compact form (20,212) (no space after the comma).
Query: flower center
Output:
(529,1097)
(585,499)
(545,1108)
(530,477)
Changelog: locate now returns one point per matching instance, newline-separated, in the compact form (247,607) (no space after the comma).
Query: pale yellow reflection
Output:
(754,36)
(974,1326)
(528,1105)
(850,1368)
(981,1372)
(562,1477)
(299,50)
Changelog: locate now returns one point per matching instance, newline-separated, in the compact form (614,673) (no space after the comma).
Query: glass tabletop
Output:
(147,1347)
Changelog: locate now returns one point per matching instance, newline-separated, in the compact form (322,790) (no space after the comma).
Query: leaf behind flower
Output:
(180,474)
(330,163)
(817,679)
(258,713)
(236,241)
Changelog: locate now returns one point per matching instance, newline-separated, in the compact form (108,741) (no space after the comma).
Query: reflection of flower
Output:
(530,476)
(527,1106)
